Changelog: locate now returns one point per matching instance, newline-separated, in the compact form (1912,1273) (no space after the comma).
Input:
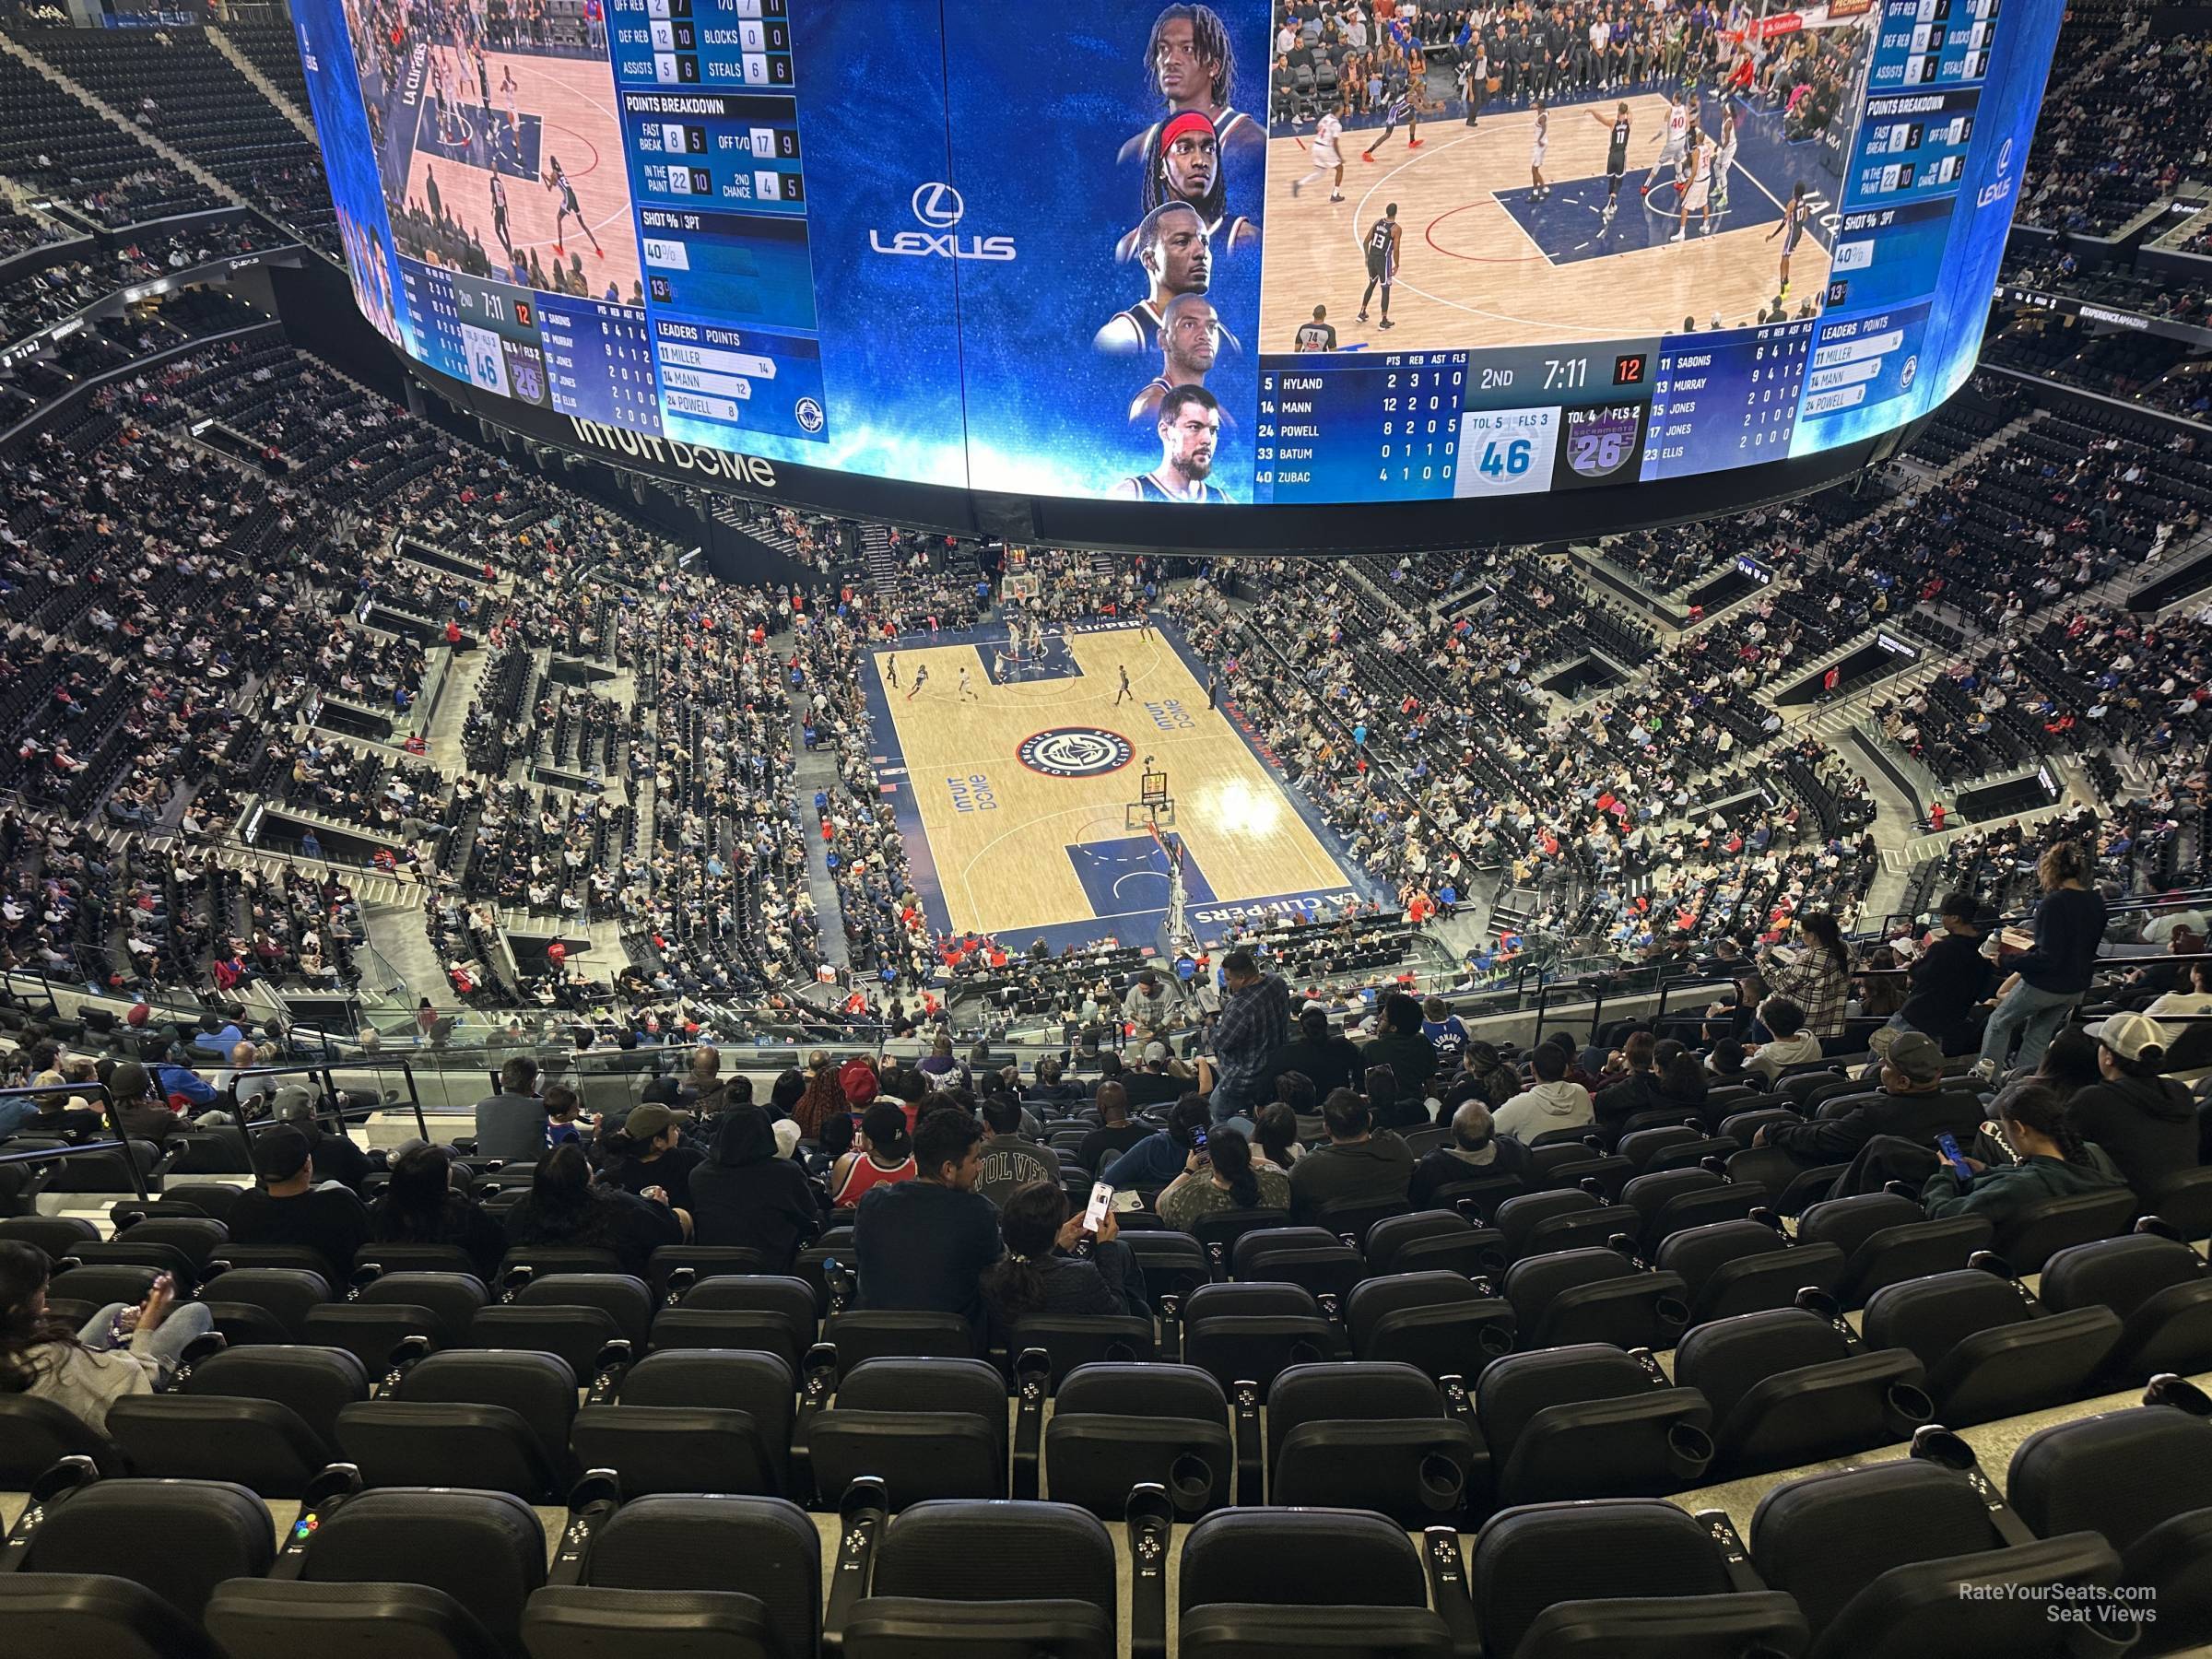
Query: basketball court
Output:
(1485,263)
(1022,804)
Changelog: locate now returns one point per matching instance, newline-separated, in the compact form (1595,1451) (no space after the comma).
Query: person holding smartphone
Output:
(1042,1273)
(2053,1161)
(119,1351)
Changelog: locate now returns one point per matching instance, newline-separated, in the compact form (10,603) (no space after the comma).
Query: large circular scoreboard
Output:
(1338,277)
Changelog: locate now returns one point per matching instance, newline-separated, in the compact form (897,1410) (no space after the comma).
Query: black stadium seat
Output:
(1116,1426)
(264,1416)
(991,1581)
(1336,1582)
(1590,1421)
(1370,1436)
(499,1421)
(933,1428)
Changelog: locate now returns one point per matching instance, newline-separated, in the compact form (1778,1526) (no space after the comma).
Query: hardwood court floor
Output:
(574,99)
(998,832)
(1471,273)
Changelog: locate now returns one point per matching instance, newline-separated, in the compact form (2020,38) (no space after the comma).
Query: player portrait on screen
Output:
(1190,338)
(1190,428)
(1182,163)
(1177,256)
(1190,62)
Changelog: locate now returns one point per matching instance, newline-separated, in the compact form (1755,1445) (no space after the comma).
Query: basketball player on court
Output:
(499,213)
(570,209)
(1171,245)
(1124,693)
(890,670)
(1190,337)
(1790,230)
(921,680)
(508,91)
(1192,64)
(1316,336)
(1401,107)
(1327,154)
(1190,428)
(1537,189)
(1723,156)
(1617,154)
(1382,260)
(967,691)
(1677,131)
(1697,188)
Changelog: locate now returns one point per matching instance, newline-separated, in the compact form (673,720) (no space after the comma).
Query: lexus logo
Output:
(939,206)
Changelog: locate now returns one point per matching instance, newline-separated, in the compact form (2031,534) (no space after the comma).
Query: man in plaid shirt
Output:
(1253,1022)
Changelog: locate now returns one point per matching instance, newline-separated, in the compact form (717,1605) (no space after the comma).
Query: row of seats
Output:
(2104,1519)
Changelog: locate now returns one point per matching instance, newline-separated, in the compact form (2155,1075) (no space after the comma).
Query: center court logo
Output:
(1075,752)
(941,207)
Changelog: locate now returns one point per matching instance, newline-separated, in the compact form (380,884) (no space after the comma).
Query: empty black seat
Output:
(933,1428)
(941,1584)
(451,1300)
(889,1334)
(2036,1233)
(2157,1285)
(1114,1427)
(578,1335)
(689,1577)
(264,1416)
(1309,1256)
(35,1434)
(1539,1223)
(433,1574)
(1434,1240)
(1986,1351)
(1261,1583)
(55,1236)
(1092,1339)
(694,1420)
(1590,1421)
(1730,1267)
(1786,1388)
(1249,1333)
(1887,1239)
(1595,1294)
(496,1421)
(1437,1320)
(1876,1556)
(264,1304)
(1370,1436)
(624,1299)
(1626,1576)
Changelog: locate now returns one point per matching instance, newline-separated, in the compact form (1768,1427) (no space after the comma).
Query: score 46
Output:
(1505,457)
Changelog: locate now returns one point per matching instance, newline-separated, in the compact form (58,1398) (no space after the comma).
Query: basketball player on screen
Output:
(557,181)
(1171,245)
(1190,61)
(1401,107)
(1723,156)
(1677,134)
(1697,188)
(1190,427)
(499,214)
(1538,142)
(1190,337)
(1185,165)
(1383,239)
(1326,154)
(1790,230)
(1617,154)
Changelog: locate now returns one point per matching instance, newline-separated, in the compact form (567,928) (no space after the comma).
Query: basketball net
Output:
(1179,936)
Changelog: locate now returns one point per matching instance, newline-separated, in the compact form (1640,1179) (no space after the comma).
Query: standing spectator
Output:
(924,1243)
(1816,976)
(2047,980)
(1253,1022)
(511,1125)
(1951,974)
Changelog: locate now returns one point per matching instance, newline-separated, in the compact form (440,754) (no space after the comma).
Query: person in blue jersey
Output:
(1190,428)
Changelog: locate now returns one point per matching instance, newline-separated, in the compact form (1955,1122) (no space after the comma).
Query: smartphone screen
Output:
(1101,1201)
(1948,1146)
(1198,1142)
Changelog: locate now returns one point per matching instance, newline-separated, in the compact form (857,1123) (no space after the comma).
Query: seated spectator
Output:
(1913,1105)
(2181,1009)
(511,1125)
(118,1352)
(2054,1161)
(1223,1177)
(1159,1157)
(418,1205)
(565,1207)
(1276,1137)
(940,1067)
(1473,1150)
(1790,1044)
(1328,1059)
(287,1207)
(747,1194)
(1951,976)
(1496,1081)
(923,1243)
(335,1157)
(1725,1062)
(2145,1123)
(1386,1106)
(1447,1034)
(1295,1090)
(884,1156)
(1410,1056)
(1011,1160)
(1552,1101)
(1157,1079)
(562,1109)
(1038,1276)
(1050,1090)
(2070,1064)
(1627,1095)
(1360,1165)
(143,1115)
(650,1151)
(1115,1134)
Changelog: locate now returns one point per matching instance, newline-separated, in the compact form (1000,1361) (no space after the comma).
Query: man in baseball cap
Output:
(1891,1134)
(655,1155)
(286,1206)
(2146,1123)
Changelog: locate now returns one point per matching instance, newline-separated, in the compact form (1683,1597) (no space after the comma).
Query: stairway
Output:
(221,41)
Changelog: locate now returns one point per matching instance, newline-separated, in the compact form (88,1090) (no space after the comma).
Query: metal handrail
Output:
(46,1091)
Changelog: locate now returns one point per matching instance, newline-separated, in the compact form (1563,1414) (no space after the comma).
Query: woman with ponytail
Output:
(2053,1161)
(1223,1177)
(2049,978)
(1040,1275)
